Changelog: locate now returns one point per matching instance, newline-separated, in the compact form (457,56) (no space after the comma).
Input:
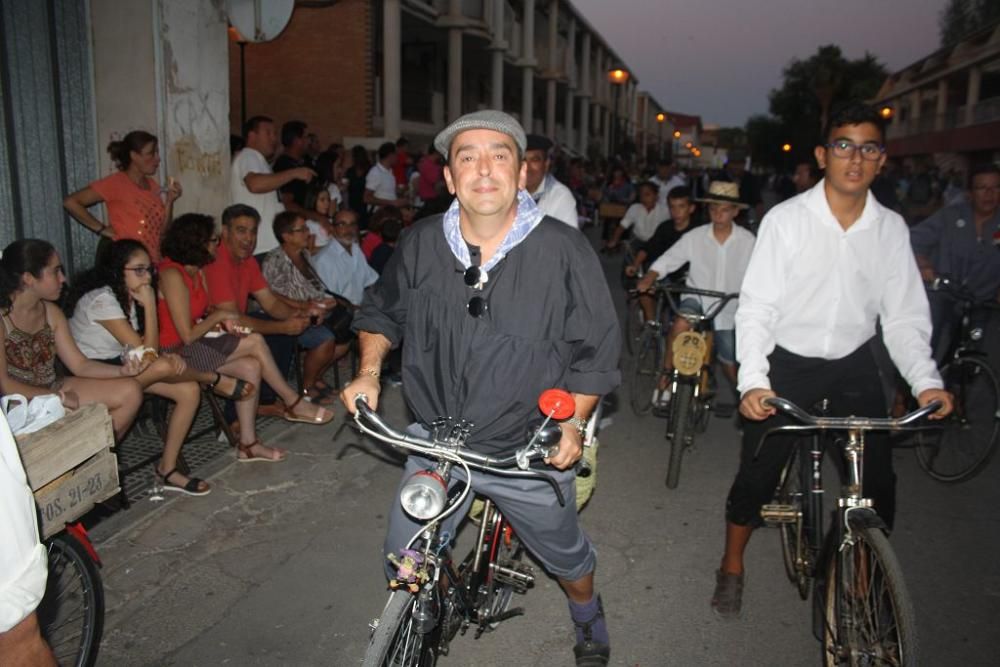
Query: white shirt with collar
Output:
(674,181)
(645,222)
(381,182)
(714,266)
(557,200)
(817,290)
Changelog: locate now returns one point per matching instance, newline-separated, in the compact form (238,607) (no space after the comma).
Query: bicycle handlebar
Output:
(379,429)
(848,423)
(713,311)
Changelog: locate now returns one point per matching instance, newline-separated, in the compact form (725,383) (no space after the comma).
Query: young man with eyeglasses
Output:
(962,243)
(827,264)
(496,303)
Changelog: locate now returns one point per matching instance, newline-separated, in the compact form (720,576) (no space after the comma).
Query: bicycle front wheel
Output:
(71,615)
(868,612)
(396,641)
(680,422)
(968,437)
(634,320)
(647,365)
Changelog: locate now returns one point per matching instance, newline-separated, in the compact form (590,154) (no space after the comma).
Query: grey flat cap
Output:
(487,119)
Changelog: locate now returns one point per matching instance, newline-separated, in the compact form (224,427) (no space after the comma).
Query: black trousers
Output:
(852,386)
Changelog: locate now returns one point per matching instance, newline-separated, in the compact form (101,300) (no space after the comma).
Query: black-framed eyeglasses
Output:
(478,306)
(846,149)
(141,271)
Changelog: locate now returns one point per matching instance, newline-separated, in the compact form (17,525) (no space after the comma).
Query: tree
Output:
(801,107)
(961,17)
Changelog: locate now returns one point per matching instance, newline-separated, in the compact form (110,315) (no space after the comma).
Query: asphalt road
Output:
(280,565)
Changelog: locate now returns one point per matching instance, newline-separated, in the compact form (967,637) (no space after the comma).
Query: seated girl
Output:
(34,332)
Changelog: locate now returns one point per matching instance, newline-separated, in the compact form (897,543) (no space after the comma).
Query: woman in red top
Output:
(132,197)
(209,340)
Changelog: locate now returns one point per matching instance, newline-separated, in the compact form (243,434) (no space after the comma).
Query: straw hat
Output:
(722,192)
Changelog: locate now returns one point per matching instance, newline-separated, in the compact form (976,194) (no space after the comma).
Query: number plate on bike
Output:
(689,352)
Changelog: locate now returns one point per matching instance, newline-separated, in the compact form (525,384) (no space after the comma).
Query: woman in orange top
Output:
(132,197)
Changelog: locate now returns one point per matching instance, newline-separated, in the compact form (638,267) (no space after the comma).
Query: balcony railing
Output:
(986,111)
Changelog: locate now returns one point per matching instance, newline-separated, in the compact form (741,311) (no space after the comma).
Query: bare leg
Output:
(186,397)
(254,346)
(737,538)
(162,370)
(122,396)
(580,591)
(317,361)
(246,368)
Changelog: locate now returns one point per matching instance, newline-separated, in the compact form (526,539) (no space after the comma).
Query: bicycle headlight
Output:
(424,495)
(976,333)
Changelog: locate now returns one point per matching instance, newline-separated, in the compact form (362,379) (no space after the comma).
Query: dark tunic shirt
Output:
(551,323)
(949,239)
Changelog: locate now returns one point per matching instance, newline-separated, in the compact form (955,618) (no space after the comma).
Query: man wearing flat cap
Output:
(498,302)
(552,197)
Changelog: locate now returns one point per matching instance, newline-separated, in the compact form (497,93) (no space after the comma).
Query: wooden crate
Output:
(612,211)
(70,466)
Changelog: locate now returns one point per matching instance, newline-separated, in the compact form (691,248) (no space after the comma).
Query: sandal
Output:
(276,456)
(319,395)
(322,415)
(192,488)
(728,597)
(241,391)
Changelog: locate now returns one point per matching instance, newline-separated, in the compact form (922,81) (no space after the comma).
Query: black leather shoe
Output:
(588,652)
(592,654)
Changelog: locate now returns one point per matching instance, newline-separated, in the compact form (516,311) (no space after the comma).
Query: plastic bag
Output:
(25,416)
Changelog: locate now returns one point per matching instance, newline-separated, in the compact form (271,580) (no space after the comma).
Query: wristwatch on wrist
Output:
(579,423)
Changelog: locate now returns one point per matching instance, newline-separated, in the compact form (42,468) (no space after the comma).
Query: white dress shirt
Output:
(645,222)
(817,290)
(555,199)
(250,161)
(674,181)
(714,266)
(344,273)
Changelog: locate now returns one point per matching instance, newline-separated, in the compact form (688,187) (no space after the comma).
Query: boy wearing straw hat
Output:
(718,254)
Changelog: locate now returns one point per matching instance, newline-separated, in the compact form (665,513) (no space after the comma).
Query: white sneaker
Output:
(661,397)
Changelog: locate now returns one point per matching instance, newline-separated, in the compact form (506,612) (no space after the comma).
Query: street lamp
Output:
(660,117)
(886,112)
(618,77)
(786,148)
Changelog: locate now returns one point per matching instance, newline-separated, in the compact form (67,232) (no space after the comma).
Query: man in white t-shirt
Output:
(553,198)
(667,178)
(253,183)
(380,183)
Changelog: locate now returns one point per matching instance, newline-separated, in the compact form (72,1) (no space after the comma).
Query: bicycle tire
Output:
(71,615)
(634,325)
(394,641)
(968,438)
(681,422)
(646,368)
(869,617)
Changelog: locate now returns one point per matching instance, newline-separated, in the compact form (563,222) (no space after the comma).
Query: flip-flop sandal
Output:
(322,415)
(192,488)
(242,390)
(253,458)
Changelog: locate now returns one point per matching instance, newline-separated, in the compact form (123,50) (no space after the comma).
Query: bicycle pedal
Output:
(499,618)
(520,579)
(774,514)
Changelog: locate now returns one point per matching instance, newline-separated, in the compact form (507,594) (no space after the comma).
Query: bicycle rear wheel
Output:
(71,615)
(968,437)
(634,321)
(647,365)
(868,612)
(396,641)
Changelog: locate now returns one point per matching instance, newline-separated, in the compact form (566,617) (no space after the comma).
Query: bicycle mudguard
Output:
(865,517)
(79,533)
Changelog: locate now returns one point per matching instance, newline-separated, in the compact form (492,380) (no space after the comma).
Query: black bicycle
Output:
(967,439)
(433,596)
(863,613)
(71,614)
